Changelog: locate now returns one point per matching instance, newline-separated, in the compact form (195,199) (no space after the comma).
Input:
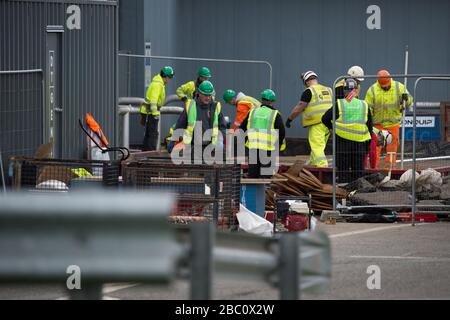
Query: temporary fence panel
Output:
(21,113)
(387,186)
(431,189)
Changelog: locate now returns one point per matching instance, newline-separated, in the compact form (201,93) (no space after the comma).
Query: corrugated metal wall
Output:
(88,59)
(297,35)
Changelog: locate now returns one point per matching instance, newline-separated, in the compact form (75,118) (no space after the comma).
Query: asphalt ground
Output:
(414,263)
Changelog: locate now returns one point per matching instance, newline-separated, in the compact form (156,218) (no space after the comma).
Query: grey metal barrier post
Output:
(108,237)
(202,242)
(289,267)
(3,174)
(424,77)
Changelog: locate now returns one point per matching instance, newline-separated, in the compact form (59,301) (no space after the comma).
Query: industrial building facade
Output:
(294,36)
(57,62)
(69,52)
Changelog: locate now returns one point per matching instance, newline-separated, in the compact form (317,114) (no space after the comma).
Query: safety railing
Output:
(131,105)
(192,59)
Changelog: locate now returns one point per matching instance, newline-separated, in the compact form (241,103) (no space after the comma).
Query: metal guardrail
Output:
(125,237)
(110,238)
(131,105)
(294,263)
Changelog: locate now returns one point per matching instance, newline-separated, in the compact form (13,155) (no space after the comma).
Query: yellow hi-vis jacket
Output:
(386,106)
(321,101)
(352,121)
(156,95)
(187,90)
(261,129)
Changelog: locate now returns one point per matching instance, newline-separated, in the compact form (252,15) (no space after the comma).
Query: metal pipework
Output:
(132,105)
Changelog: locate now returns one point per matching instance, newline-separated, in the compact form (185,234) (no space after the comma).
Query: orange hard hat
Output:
(384,81)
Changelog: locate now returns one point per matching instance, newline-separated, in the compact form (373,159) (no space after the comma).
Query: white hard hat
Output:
(307,75)
(387,136)
(356,72)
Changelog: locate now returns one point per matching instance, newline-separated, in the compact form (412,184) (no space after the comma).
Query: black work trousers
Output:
(254,169)
(350,159)
(151,133)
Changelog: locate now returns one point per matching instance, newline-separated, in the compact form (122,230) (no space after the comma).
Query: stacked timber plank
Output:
(301,182)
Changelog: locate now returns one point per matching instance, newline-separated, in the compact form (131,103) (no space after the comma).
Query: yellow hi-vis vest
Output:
(156,95)
(261,129)
(321,101)
(191,109)
(351,124)
(172,128)
(386,105)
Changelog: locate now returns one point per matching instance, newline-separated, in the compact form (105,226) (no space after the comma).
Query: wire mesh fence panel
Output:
(387,186)
(432,156)
(203,191)
(63,175)
(366,160)
(21,111)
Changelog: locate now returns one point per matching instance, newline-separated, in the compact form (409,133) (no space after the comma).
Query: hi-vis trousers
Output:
(318,138)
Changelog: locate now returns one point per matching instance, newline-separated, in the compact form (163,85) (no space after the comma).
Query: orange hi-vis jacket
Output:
(95,127)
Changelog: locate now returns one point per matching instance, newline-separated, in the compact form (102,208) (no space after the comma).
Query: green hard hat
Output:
(268,95)
(167,71)
(204,72)
(206,88)
(228,95)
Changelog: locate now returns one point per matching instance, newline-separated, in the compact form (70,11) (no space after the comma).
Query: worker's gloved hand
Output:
(405,97)
(288,123)
(184,99)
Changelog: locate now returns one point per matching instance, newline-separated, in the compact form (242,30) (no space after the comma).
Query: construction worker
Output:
(243,105)
(379,138)
(189,90)
(315,101)
(385,99)
(353,129)
(355,72)
(265,128)
(200,115)
(154,100)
